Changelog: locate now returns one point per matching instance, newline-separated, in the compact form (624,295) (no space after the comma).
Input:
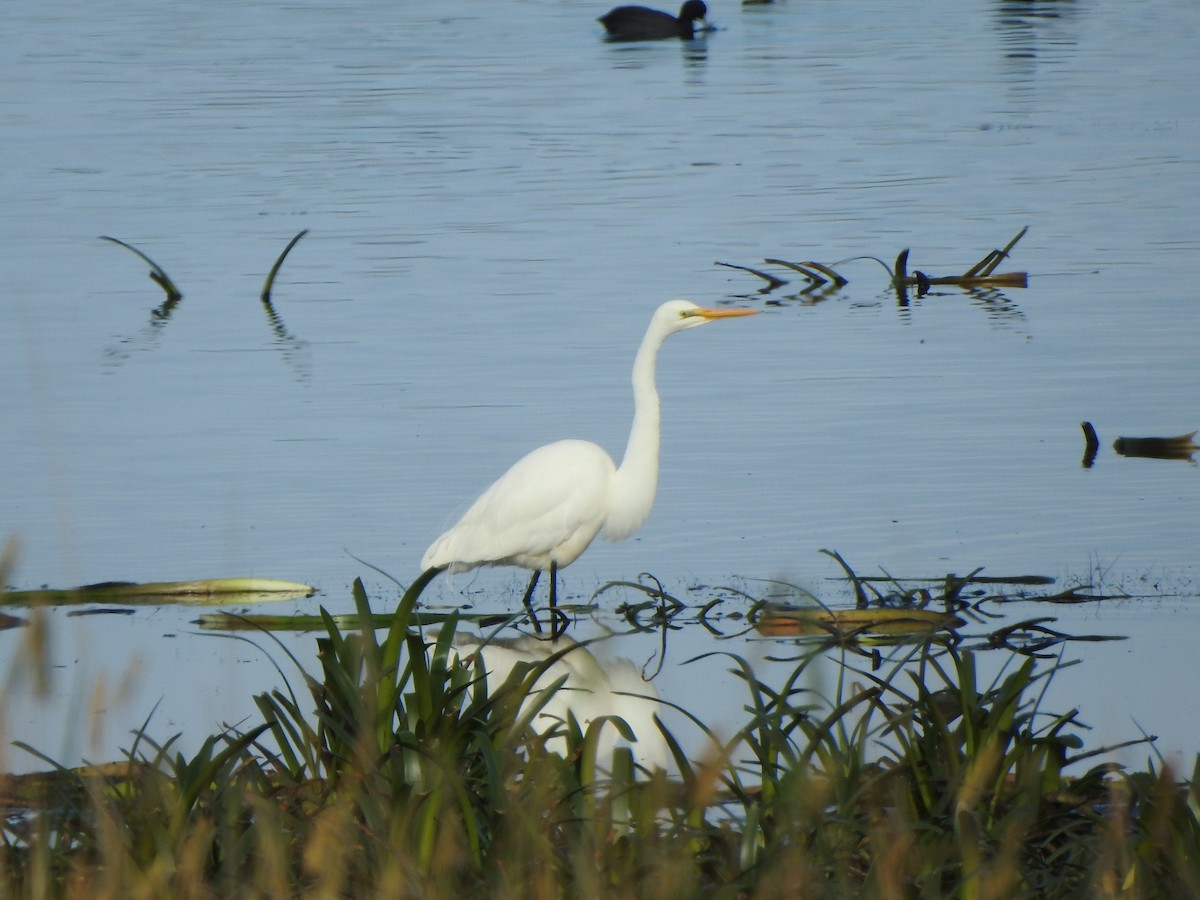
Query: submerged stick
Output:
(157,275)
(266,292)
(772,281)
(828,272)
(1181,446)
(1091,444)
(813,271)
(973,578)
(988,264)
(982,274)
(1005,279)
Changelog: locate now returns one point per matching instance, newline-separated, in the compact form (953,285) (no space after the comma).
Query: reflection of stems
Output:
(266,293)
(276,323)
(292,347)
(157,275)
(159,316)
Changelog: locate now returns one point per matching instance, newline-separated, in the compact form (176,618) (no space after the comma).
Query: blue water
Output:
(496,200)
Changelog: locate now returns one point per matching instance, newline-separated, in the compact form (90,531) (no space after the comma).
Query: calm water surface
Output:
(496,200)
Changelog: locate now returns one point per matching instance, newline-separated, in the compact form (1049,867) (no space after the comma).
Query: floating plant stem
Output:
(226,621)
(987,265)
(1004,279)
(1181,446)
(157,275)
(1091,444)
(266,292)
(772,281)
(981,275)
(855,623)
(210,590)
(827,271)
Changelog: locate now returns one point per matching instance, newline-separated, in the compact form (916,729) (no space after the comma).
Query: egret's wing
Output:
(553,499)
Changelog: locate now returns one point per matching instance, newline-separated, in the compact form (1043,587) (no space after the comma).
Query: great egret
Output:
(544,511)
(638,23)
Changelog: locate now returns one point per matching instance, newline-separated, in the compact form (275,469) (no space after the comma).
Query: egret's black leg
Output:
(528,601)
(558,619)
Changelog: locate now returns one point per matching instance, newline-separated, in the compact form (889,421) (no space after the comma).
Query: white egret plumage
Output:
(544,511)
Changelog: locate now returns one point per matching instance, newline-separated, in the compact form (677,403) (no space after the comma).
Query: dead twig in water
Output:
(1181,446)
(981,275)
(771,280)
(266,292)
(157,275)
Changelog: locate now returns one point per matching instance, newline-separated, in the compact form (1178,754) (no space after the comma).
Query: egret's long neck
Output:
(637,478)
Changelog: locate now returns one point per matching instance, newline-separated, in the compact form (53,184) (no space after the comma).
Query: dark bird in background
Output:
(639,23)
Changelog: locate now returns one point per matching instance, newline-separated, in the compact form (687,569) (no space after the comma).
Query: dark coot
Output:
(638,23)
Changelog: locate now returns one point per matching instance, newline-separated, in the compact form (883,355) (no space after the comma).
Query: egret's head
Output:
(676,315)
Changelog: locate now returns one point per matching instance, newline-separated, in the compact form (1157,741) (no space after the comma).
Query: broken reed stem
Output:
(157,275)
(266,292)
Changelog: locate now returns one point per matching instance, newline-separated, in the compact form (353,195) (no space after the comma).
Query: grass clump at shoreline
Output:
(397,771)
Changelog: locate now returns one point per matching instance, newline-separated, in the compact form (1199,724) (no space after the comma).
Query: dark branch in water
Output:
(813,271)
(1091,444)
(981,275)
(1181,446)
(266,293)
(157,275)
(771,280)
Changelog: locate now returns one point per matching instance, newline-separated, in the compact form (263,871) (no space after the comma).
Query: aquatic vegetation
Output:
(207,590)
(824,278)
(159,276)
(293,348)
(1180,446)
(400,769)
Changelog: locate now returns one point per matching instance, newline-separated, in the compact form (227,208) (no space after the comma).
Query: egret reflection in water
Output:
(594,688)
